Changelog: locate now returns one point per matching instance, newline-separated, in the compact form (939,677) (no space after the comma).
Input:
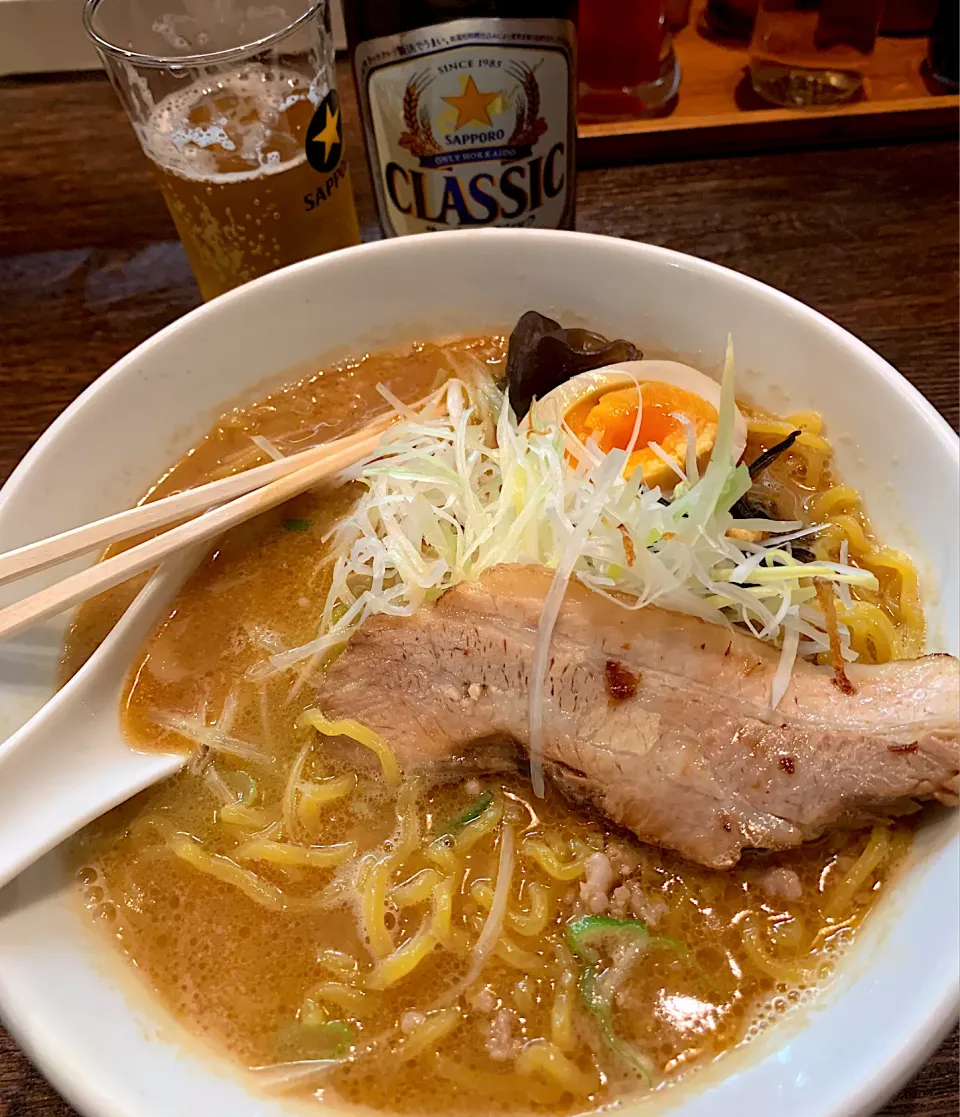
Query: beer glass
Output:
(626,63)
(806,53)
(236,107)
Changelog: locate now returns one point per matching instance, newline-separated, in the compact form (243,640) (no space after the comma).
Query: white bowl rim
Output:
(910,394)
(862,1097)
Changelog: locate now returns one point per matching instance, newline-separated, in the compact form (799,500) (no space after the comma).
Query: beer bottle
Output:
(468,110)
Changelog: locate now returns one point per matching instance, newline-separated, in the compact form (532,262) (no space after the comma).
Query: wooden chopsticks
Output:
(240,497)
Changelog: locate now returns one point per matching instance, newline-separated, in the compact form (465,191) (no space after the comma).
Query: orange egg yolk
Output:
(609,419)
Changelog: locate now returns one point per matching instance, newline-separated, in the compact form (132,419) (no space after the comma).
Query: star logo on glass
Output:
(325,135)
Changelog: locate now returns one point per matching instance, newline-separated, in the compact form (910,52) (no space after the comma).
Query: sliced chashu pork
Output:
(660,720)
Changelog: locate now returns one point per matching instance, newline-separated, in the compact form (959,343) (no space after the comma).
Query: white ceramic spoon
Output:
(70,762)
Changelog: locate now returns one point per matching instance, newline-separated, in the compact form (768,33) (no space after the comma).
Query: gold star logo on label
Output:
(472,105)
(324,143)
(330,135)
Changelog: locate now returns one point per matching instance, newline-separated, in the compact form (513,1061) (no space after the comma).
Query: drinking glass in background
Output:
(943,50)
(625,60)
(730,19)
(237,109)
(805,53)
(734,19)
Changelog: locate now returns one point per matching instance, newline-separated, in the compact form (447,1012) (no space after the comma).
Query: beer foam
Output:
(186,149)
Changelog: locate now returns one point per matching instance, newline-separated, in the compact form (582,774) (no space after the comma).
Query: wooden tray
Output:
(717,111)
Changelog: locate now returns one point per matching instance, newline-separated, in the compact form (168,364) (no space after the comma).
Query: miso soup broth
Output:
(338,924)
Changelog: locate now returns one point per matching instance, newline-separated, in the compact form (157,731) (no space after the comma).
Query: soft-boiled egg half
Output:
(602,405)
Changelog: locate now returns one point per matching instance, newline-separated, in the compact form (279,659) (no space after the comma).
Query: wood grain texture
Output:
(90,266)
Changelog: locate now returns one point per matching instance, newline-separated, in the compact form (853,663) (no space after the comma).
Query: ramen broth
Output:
(269,959)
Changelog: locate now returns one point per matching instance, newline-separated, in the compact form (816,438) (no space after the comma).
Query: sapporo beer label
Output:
(324,142)
(470,123)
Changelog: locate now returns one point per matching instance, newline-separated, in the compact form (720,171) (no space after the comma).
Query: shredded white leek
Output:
(498,908)
(218,785)
(211,737)
(461,488)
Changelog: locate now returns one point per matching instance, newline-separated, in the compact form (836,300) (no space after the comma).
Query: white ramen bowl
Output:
(68,997)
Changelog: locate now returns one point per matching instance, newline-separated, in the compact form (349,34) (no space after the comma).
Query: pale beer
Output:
(236,107)
(249,184)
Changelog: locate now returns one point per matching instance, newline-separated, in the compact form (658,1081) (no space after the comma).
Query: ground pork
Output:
(600,876)
(623,860)
(484,1000)
(629,899)
(410,1021)
(782,883)
(502,1045)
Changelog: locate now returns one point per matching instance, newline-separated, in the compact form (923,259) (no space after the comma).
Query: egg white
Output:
(562,398)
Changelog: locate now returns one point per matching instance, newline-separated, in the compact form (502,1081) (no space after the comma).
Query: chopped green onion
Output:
(472,812)
(296,525)
(591,928)
(601,1006)
(327,1039)
(583,937)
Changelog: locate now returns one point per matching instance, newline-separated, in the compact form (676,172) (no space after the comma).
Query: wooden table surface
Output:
(90,266)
